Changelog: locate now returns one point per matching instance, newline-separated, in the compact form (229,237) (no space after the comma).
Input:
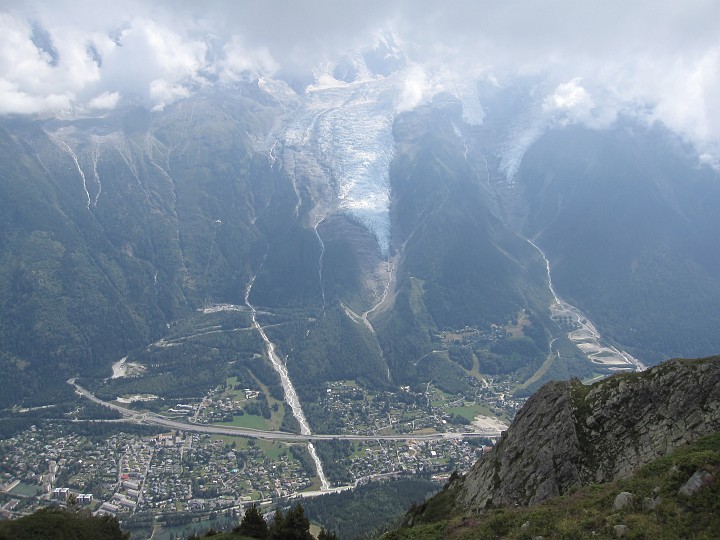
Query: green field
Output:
(240,442)
(272,449)
(230,392)
(469,412)
(251,421)
(25,490)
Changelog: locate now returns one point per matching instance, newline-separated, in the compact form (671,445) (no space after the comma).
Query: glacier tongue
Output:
(347,128)
(337,141)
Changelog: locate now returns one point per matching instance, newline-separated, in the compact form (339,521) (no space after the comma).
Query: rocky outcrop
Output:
(569,434)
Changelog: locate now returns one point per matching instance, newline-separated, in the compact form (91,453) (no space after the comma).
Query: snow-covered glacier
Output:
(336,139)
(339,142)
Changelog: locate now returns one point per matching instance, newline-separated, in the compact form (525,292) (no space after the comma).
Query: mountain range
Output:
(390,242)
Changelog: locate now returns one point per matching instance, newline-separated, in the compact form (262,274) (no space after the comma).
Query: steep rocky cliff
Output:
(568,434)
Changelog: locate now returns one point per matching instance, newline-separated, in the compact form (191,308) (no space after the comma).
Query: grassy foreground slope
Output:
(658,508)
(53,523)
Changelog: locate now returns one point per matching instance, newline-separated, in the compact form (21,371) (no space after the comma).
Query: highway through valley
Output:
(157,419)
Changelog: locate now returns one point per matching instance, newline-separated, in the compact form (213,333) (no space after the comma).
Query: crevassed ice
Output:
(348,130)
(467,93)
(512,151)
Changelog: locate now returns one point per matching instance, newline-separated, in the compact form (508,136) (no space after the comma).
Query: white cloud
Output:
(145,59)
(13,100)
(414,89)
(688,101)
(657,58)
(418,87)
(239,60)
(569,96)
(30,79)
(105,101)
(571,103)
(164,92)
(154,62)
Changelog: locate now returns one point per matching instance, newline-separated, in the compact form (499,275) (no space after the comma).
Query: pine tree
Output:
(297,525)
(253,524)
(292,526)
(276,524)
(327,535)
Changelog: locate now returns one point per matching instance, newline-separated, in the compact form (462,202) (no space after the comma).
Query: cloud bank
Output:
(657,60)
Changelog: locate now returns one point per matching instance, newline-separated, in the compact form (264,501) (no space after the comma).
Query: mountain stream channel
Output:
(291,396)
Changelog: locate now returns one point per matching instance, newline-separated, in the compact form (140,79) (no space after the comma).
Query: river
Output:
(586,335)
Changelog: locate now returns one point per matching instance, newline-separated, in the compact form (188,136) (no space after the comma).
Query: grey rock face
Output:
(620,531)
(622,500)
(696,481)
(535,460)
(570,435)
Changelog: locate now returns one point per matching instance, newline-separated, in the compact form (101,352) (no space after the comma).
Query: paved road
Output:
(152,418)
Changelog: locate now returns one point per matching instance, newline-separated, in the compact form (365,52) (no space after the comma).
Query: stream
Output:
(291,397)
(593,345)
(320,261)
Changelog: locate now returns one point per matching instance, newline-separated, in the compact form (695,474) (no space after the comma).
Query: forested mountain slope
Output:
(407,235)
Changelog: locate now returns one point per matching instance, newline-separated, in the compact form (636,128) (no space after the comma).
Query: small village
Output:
(147,476)
(351,409)
(189,476)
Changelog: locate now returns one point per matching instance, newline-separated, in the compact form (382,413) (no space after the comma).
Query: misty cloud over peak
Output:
(658,61)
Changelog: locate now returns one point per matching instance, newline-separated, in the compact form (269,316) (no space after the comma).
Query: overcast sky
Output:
(661,57)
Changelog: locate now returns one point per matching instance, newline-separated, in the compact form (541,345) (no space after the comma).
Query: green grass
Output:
(230,392)
(251,421)
(25,490)
(183,531)
(240,442)
(542,370)
(272,449)
(276,417)
(416,295)
(469,412)
(475,371)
